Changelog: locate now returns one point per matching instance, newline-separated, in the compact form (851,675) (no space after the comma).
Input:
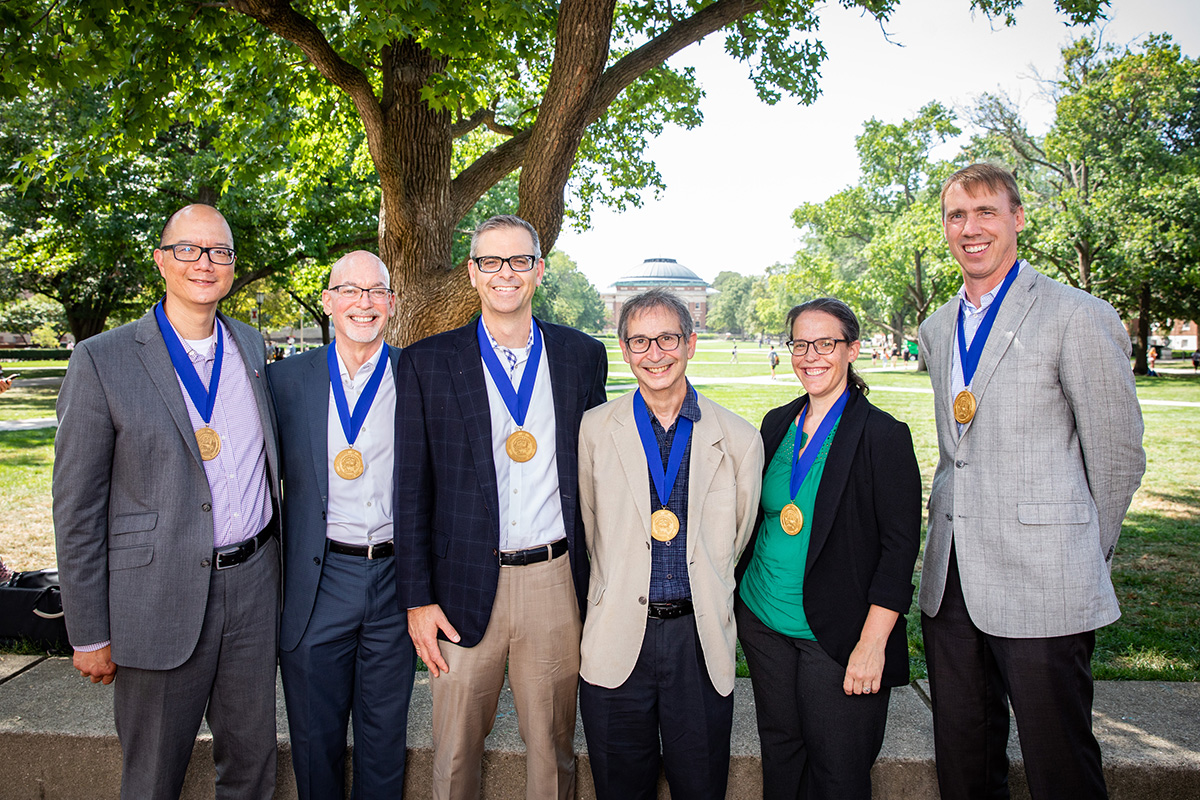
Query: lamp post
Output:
(258,298)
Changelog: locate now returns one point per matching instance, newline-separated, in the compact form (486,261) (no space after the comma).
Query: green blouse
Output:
(773,586)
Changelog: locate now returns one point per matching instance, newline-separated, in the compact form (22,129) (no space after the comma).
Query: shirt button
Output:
(368,504)
(514,522)
(670,577)
(668,544)
(514,491)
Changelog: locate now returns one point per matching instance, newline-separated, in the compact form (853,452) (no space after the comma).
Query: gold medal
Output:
(664,525)
(210,443)
(348,464)
(520,446)
(964,406)
(792,519)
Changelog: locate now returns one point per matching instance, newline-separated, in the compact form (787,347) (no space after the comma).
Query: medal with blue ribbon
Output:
(791,518)
(520,444)
(664,525)
(965,402)
(348,464)
(204,400)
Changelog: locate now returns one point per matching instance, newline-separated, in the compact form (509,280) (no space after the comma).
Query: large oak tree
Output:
(453,96)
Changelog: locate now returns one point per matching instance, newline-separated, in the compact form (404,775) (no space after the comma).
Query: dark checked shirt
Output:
(668,560)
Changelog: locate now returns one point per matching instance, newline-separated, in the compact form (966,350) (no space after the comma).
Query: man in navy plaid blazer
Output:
(487,423)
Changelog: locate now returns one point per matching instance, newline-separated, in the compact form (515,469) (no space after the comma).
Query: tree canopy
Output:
(444,98)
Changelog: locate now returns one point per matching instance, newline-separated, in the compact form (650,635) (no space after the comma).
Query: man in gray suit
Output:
(164,497)
(344,639)
(1039,438)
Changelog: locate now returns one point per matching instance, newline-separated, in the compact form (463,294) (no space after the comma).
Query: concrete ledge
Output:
(57,741)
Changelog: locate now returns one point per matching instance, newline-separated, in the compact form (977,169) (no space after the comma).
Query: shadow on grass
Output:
(13,442)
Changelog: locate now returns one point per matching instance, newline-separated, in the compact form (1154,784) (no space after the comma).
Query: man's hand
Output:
(423,625)
(97,665)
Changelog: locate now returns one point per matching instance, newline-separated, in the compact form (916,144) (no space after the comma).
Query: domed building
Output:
(660,273)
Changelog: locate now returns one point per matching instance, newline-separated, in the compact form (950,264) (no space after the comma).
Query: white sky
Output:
(733,183)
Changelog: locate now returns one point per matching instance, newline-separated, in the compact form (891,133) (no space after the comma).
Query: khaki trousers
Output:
(535,629)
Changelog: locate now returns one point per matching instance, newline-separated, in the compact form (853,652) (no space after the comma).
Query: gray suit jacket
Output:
(300,387)
(724,478)
(1035,488)
(132,506)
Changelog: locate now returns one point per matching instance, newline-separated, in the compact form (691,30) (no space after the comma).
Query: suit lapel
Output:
(836,473)
(944,331)
(706,457)
(157,361)
(466,372)
(1012,312)
(316,391)
(628,445)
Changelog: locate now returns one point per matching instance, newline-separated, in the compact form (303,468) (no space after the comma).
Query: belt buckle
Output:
(370,551)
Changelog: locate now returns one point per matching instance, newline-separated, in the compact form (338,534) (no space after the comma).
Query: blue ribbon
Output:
(664,480)
(802,464)
(203,399)
(517,402)
(970,358)
(352,424)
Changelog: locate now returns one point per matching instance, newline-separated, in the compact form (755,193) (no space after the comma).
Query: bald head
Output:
(360,263)
(196,214)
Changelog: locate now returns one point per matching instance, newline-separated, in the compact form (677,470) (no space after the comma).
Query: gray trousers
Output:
(229,679)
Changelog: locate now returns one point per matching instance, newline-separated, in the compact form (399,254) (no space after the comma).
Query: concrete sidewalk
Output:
(57,741)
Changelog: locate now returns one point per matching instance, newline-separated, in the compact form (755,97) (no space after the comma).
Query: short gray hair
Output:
(506,221)
(655,298)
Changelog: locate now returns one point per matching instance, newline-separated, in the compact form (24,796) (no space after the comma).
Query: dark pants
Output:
(817,741)
(972,678)
(231,673)
(670,693)
(354,654)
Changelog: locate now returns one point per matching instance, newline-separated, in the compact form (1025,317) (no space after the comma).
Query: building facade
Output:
(659,273)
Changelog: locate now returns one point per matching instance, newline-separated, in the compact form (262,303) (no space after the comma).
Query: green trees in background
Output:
(1112,191)
(443,99)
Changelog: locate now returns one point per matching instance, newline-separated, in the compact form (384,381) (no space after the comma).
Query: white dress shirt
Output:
(360,510)
(530,504)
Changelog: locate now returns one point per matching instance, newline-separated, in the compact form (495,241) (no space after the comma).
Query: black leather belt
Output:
(671,609)
(367,551)
(234,554)
(534,555)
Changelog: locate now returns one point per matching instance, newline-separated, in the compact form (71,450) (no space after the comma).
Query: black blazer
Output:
(866,529)
(300,389)
(447,509)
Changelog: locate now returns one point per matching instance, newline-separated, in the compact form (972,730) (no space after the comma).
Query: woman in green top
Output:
(827,578)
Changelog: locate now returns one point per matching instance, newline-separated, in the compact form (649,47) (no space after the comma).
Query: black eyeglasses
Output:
(192,252)
(666,342)
(823,346)
(496,263)
(351,292)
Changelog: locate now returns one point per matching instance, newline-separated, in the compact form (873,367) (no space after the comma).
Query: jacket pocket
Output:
(441,543)
(1077,513)
(129,557)
(130,523)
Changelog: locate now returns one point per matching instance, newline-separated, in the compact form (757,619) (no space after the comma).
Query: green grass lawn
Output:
(1156,568)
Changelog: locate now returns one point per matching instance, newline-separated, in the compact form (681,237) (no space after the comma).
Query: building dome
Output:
(665,272)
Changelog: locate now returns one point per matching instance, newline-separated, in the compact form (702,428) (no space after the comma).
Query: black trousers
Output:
(973,677)
(669,693)
(817,742)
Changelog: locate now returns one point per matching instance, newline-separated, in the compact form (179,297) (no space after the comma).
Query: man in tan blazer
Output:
(668,485)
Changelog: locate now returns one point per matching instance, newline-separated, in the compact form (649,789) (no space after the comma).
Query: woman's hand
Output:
(864,671)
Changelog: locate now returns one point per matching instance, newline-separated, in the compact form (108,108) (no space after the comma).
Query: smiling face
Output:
(659,373)
(360,320)
(823,377)
(505,293)
(195,286)
(981,230)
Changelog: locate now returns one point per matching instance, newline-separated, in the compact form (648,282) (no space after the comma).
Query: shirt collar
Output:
(364,371)
(988,297)
(689,409)
(520,353)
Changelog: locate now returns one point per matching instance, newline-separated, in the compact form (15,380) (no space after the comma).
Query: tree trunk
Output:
(1141,365)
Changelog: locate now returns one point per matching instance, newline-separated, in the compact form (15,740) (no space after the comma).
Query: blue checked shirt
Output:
(668,560)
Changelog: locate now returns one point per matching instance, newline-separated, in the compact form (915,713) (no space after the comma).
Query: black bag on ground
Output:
(31,609)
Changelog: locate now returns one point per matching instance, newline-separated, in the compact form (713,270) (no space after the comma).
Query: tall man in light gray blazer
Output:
(1039,438)
(165,524)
